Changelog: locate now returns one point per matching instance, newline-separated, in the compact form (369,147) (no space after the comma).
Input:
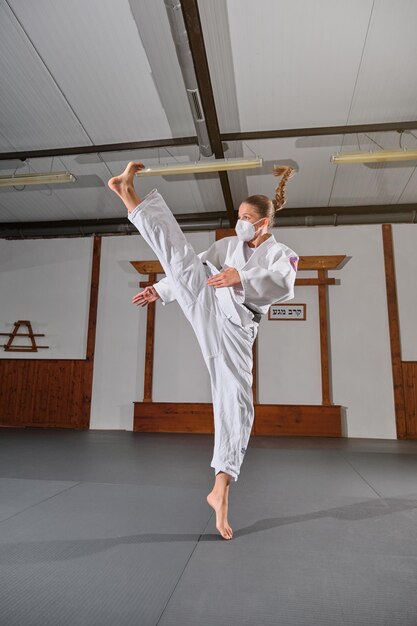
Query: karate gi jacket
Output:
(267,277)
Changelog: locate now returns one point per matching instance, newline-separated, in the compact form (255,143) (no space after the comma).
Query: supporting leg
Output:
(231,382)
(218,499)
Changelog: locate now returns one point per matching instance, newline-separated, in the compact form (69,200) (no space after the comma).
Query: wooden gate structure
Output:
(324,420)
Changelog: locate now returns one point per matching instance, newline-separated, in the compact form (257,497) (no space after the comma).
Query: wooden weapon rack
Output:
(9,347)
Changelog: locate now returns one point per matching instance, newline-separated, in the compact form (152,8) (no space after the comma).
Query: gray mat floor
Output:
(112,528)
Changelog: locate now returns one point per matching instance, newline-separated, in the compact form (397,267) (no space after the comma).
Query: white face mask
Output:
(245,230)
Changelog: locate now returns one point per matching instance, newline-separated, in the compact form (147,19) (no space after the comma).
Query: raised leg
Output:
(123,185)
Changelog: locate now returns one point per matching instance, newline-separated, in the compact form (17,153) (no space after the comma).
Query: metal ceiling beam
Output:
(93,149)
(320,131)
(188,141)
(195,37)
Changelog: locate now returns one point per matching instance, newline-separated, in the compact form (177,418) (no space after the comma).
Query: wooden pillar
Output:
(394,331)
(324,339)
(87,375)
(149,350)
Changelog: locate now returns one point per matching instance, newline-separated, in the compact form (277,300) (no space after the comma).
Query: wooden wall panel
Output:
(298,420)
(42,393)
(270,419)
(48,392)
(173,417)
(410,396)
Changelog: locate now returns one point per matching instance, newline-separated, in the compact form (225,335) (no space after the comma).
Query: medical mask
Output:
(246,230)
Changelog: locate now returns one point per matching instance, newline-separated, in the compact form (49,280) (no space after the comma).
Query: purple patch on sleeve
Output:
(294,262)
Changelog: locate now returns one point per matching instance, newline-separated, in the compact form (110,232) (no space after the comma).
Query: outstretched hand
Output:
(227,278)
(148,295)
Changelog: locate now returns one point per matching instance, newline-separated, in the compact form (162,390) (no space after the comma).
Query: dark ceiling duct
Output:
(185,59)
(116,226)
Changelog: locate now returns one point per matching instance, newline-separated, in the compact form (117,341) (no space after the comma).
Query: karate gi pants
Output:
(225,345)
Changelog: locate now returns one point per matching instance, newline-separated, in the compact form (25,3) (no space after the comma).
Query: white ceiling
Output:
(79,73)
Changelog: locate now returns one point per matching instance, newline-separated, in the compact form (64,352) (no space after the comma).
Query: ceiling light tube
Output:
(218,165)
(379,156)
(32,178)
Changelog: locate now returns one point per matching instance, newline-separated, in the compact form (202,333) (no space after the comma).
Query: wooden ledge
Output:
(270,419)
(305,263)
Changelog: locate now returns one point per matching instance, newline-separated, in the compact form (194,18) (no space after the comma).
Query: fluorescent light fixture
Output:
(379,156)
(37,179)
(217,165)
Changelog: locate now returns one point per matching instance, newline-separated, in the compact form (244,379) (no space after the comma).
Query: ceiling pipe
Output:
(36,230)
(408,217)
(185,59)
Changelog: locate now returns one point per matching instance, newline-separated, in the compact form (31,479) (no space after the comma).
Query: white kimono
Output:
(266,277)
(225,320)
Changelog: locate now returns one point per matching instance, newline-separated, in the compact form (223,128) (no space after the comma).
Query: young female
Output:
(223,292)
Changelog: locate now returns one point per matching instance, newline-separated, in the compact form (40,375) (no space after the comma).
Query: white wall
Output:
(289,363)
(46,281)
(179,370)
(405,253)
(289,352)
(359,334)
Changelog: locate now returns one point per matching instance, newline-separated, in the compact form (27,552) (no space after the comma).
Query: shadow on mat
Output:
(45,551)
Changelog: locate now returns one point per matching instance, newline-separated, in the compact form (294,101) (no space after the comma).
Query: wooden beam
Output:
(306,263)
(92,319)
(394,331)
(308,282)
(330,262)
(22,155)
(149,351)
(221,233)
(186,141)
(270,419)
(148,267)
(324,340)
(87,381)
(320,131)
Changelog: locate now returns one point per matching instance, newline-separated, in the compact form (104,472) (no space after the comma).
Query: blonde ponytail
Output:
(280,197)
(264,206)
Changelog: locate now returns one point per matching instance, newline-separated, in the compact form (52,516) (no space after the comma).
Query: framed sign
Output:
(288,312)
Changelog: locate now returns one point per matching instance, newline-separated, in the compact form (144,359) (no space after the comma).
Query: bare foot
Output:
(218,499)
(123,185)
(219,504)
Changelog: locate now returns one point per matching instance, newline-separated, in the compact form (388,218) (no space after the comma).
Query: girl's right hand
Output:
(148,295)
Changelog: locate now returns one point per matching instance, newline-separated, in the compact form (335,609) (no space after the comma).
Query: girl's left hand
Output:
(227,278)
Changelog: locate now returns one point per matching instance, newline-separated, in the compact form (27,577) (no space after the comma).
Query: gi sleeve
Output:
(276,284)
(215,254)
(164,291)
